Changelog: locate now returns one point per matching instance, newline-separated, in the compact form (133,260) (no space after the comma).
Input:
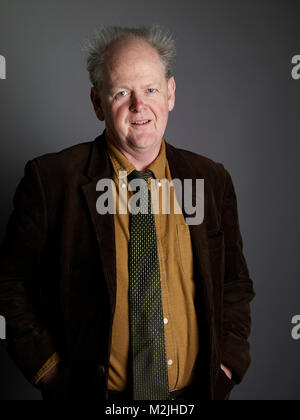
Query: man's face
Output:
(136,98)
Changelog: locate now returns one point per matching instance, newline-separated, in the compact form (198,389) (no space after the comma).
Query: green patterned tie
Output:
(148,353)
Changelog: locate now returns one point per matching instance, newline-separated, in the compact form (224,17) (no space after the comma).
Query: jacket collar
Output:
(99,165)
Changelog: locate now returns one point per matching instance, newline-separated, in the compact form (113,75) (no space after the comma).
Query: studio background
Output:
(236,103)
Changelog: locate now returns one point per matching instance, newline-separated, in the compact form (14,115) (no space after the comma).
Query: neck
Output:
(141,159)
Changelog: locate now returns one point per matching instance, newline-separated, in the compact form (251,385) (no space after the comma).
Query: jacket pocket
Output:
(216,251)
(223,387)
(215,239)
(185,249)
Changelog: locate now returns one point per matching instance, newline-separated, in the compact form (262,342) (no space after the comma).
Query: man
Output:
(126,306)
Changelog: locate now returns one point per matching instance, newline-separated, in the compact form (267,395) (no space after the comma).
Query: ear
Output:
(95,98)
(171,93)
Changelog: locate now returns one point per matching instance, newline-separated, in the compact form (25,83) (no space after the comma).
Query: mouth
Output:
(141,123)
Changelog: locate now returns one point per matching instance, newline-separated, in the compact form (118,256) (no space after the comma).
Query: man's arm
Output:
(28,340)
(238,290)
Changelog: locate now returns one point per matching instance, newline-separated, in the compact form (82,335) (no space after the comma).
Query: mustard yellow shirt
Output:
(176,269)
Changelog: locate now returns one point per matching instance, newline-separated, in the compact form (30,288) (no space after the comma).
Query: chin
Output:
(143,141)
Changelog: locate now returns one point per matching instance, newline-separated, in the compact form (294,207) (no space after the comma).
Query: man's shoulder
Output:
(198,163)
(66,162)
(74,153)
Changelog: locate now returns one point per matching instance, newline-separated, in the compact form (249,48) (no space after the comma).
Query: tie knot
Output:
(140,175)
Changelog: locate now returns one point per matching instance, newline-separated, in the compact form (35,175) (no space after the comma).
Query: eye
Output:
(121,94)
(151,90)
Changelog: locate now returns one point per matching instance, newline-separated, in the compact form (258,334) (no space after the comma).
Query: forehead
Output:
(132,61)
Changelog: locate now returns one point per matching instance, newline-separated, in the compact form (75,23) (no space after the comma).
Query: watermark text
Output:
(2,67)
(166,197)
(296,68)
(2,328)
(296,328)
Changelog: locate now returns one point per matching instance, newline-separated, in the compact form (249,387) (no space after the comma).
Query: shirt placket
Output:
(171,353)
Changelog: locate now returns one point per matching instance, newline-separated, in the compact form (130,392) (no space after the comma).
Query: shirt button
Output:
(170,362)
(166,320)
(159,184)
(124,186)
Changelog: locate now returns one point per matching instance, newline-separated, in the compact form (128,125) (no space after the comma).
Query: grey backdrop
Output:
(236,103)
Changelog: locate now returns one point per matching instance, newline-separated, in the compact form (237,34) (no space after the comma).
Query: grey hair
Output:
(156,36)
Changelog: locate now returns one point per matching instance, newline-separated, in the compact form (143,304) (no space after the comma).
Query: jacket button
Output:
(101,370)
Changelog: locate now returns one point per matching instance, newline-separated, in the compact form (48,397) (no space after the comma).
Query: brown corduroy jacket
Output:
(58,273)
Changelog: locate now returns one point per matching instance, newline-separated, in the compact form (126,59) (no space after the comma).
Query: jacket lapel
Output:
(99,168)
(181,169)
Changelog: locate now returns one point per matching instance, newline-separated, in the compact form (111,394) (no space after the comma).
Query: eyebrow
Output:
(117,88)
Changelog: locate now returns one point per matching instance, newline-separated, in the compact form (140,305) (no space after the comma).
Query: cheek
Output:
(161,111)
(119,114)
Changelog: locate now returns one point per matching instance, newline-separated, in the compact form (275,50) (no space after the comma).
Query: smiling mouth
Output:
(141,123)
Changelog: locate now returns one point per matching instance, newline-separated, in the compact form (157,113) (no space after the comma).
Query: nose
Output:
(137,103)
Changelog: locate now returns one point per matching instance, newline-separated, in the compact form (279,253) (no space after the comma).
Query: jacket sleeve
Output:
(238,290)
(28,340)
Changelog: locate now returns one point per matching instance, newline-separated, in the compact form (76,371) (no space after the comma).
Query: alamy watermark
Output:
(2,67)
(162,200)
(2,328)
(296,68)
(296,329)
